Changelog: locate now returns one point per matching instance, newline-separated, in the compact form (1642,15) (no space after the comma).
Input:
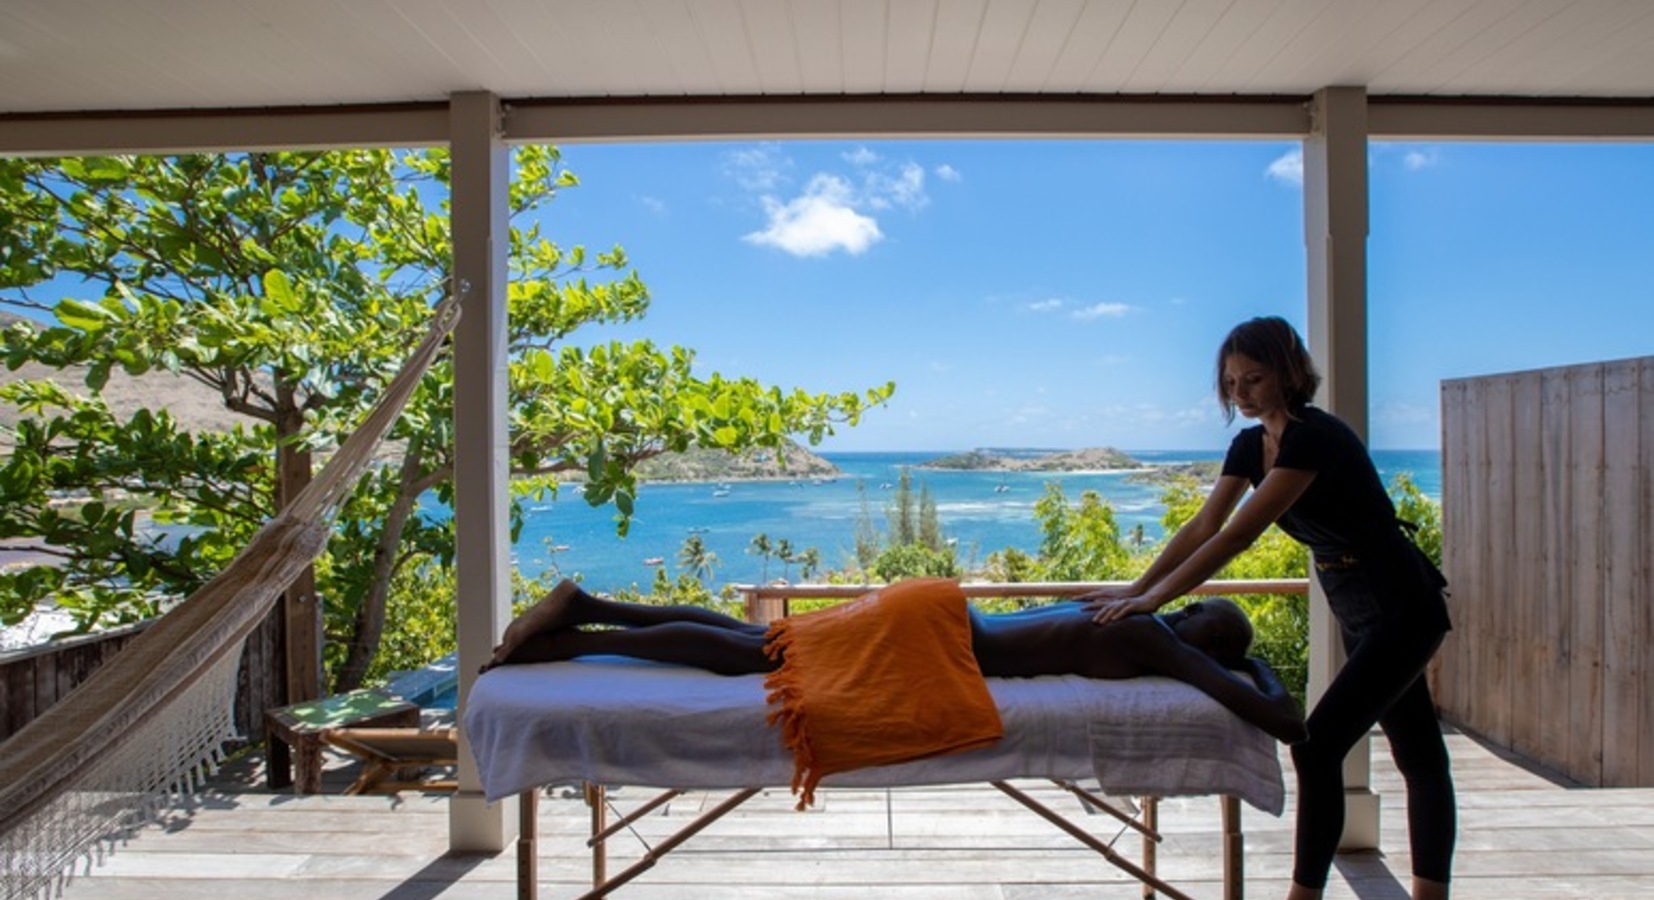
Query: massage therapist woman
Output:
(1311,474)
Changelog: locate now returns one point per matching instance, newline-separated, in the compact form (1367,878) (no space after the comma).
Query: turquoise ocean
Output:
(981,511)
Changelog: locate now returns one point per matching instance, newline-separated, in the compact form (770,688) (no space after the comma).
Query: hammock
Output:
(150,723)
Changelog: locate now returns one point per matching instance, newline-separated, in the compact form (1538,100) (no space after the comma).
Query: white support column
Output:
(1335,234)
(481,178)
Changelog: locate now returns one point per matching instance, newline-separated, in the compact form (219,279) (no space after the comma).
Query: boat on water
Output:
(721,492)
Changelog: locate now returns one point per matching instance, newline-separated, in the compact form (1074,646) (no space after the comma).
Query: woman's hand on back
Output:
(1107,609)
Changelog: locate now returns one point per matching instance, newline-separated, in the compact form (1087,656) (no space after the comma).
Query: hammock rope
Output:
(149,725)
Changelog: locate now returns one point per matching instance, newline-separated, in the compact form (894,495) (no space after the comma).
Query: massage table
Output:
(609,721)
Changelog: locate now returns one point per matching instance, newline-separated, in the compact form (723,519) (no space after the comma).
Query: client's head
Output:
(1215,625)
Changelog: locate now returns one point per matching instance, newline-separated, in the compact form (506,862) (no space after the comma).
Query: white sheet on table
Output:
(627,722)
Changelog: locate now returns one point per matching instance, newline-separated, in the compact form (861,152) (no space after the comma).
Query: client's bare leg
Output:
(556,610)
(696,644)
(567,606)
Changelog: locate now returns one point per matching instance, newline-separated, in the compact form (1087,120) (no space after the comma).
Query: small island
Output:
(1095,459)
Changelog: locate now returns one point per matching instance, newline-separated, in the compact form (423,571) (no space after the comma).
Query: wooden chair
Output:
(393,757)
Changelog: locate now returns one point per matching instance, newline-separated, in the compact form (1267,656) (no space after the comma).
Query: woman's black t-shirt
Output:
(1344,515)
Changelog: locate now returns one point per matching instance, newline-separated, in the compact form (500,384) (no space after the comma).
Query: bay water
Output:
(981,511)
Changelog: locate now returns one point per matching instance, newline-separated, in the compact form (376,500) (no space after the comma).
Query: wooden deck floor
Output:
(1523,836)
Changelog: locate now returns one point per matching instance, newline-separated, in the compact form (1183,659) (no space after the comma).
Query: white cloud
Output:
(834,211)
(948,173)
(1288,169)
(1050,305)
(1414,160)
(654,205)
(1100,310)
(861,156)
(905,188)
(761,167)
(817,222)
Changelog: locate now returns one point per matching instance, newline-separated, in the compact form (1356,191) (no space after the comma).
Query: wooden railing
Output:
(767,602)
(34,678)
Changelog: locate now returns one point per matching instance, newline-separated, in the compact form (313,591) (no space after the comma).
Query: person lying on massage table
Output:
(1203,643)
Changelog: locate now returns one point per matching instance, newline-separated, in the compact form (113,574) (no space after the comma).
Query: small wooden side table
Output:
(293,734)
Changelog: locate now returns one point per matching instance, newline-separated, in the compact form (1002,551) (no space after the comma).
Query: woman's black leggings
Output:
(1381,682)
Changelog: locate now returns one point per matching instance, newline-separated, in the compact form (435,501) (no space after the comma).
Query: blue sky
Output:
(1072,293)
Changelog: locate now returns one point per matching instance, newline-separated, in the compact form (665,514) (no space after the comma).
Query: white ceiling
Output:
(106,55)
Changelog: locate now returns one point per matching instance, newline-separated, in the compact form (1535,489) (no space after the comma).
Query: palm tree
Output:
(784,552)
(761,546)
(808,562)
(697,559)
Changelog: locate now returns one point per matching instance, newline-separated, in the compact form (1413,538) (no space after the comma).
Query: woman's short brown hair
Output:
(1273,343)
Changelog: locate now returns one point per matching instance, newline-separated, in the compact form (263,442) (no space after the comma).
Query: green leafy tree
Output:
(1011,565)
(1079,542)
(1423,515)
(290,285)
(914,560)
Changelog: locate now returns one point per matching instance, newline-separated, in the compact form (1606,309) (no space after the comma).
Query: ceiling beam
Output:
(1509,119)
(227,130)
(1019,116)
(908,116)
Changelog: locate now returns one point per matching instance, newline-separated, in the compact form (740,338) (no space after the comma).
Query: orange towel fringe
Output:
(884,679)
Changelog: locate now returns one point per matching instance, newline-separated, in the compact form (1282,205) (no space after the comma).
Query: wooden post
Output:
(1335,240)
(300,612)
(482,541)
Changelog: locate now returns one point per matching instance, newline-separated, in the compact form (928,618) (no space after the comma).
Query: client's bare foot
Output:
(554,611)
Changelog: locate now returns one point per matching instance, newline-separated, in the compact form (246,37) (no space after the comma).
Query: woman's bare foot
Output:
(554,611)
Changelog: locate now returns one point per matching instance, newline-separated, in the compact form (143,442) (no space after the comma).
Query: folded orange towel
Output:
(883,679)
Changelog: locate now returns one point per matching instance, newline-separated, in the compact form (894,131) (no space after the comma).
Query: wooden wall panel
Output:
(1547,483)
(1450,671)
(1622,566)
(1645,525)
(1585,575)
(1498,563)
(1529,643)
(1551,681)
